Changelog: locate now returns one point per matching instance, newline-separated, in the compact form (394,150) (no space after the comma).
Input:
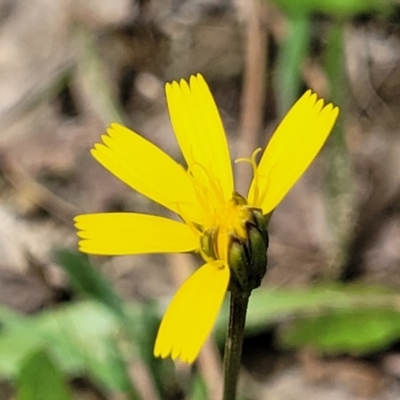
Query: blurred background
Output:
(326,322)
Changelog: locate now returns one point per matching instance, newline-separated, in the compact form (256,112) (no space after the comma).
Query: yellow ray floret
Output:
(192,313)
(147,169)
(292,148)
(199,131)
(130,233)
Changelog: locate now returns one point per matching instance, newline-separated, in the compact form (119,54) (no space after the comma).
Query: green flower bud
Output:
(247,258)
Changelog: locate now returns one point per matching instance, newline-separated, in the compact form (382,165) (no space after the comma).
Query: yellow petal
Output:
(292,148)
(199,131)
(147,169)
(130,233)
(191,315)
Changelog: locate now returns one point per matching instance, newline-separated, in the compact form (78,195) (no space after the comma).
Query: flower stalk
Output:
(234,342)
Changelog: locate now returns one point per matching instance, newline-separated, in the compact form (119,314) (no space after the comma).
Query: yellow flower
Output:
(202,195)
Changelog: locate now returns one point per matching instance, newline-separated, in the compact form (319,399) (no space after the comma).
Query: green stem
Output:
(234,342)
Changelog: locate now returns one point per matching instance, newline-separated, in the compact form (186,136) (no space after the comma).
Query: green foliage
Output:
(339,8)
(77,335)
(350,331)
(83,337)
(40,379)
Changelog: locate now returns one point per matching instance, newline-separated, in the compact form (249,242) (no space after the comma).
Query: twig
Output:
(37,193)
(254,86)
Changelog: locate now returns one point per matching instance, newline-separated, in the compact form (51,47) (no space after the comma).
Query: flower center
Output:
(224,222)
(227,222)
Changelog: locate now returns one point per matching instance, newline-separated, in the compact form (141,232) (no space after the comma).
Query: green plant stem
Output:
(234,342)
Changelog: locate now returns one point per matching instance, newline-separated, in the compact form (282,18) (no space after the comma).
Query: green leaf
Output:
(273,305)
(82,338)
(354,331)
(87,280)
(339,8)
(18,338)
(40,379)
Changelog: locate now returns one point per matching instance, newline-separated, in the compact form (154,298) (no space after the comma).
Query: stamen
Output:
(213,183)
(252,162)
(202,194)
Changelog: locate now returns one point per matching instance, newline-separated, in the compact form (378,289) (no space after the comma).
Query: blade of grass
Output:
(292,53)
